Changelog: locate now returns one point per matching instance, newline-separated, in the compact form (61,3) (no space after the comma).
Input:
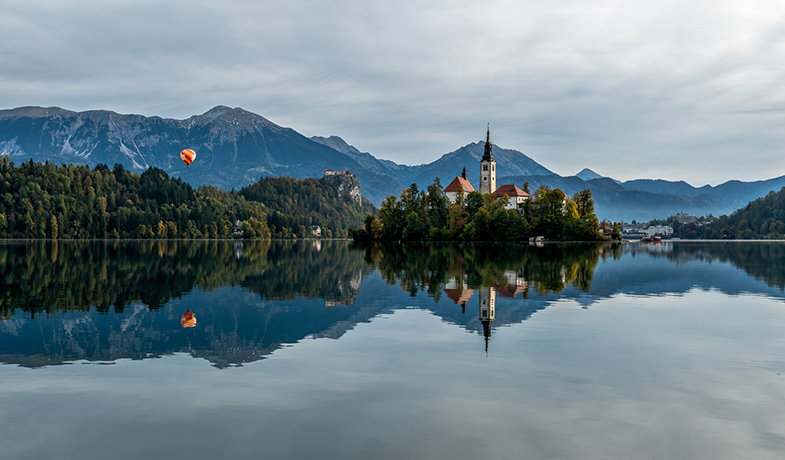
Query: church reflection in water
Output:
(459,292)
(102,301)
(487,312)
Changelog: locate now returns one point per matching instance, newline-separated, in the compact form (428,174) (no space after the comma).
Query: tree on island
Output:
(419,216)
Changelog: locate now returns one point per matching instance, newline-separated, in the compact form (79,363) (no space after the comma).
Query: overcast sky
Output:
(681,90)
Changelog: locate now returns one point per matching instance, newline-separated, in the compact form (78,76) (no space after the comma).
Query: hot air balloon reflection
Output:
(188,319)
(188,156)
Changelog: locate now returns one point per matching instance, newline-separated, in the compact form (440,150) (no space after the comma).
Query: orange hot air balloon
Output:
(188,319)
(188,156)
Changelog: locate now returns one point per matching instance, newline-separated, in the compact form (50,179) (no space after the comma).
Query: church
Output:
(517,197)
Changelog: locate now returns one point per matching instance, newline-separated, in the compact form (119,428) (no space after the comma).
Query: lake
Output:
(327,349)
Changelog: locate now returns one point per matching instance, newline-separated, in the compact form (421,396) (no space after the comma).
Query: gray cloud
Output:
(676,89)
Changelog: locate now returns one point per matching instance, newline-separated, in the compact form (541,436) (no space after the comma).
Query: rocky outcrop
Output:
(346,183)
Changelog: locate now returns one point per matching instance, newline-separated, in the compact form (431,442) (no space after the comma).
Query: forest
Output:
(423,215)
(74,202)
(293,206)
(763,218)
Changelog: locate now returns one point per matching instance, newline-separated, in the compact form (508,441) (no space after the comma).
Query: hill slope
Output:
(47,201)
(761,218)
(233,147)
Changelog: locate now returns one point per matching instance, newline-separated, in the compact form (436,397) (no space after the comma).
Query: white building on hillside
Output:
(660,230)
(685,218)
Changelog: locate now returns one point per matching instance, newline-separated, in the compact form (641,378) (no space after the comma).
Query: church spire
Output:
(488,167)
(488,156)
(487,312)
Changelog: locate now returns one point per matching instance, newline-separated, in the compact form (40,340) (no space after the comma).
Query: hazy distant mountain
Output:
(613,202)
(450,165)
(382,167)
(368,161)
(446,168)
(587,174)
(738,192)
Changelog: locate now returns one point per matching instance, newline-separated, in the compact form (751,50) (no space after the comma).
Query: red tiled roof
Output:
(458,183)
(510,291)
(459,296)
(509,190)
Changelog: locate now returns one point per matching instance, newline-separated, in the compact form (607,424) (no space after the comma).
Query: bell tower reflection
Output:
(487,312)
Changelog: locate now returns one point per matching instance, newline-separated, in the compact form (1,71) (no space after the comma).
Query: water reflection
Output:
(763,260)
(487,312)
(188,319)
(509,267)
(46,277)
(102,301)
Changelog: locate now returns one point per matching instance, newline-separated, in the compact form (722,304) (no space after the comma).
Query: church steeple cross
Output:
(488,156)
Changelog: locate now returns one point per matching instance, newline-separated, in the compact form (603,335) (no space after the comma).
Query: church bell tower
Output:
(488,167)
(487,312)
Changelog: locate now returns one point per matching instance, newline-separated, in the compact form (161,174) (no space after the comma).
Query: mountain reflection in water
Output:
(102,301)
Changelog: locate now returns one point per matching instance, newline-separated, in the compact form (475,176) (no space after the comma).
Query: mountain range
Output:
(235,148)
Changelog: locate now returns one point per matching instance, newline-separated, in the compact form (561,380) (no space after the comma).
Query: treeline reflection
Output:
(430,268)
(763,260)
(102,301)
(49,276)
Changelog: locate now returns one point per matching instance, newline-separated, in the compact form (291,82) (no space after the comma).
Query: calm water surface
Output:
(329,350)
